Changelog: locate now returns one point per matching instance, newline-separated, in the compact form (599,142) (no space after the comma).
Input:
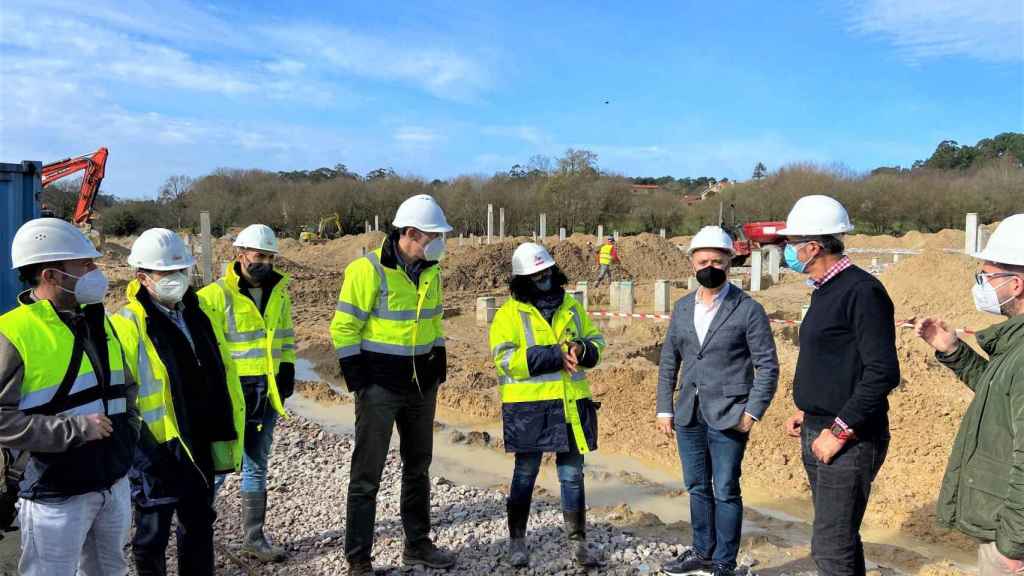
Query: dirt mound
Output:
(935,284)
(332,255)
(912,240)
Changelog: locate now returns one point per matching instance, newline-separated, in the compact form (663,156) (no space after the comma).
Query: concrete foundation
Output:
(662,297)
(485,309)
(626,297)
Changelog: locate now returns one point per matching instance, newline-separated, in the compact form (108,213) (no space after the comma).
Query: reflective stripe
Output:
(148,385)
(117,406)
(94,407)
(288,347)
(154,415)
(246,354)
(117,377)
(352,310)
(382,294)
(347,351)
(577,322)
(275,353)
(37,398)
(403,315)
(245,336)
(229,308)
(549,377)
(83,382)
(284,333)
(397,349)
(504,352)
(527,329)
(382,311)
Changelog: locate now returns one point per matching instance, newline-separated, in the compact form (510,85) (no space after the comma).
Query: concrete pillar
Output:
(691,283)
(206,241)
(626,297)
(874,262)
(662,297)
(600,232)
(613,295)
(774,263)
(982,238)
(756,269)
(501,223)
(896,258)
(368,228)
(362,250)
(583,289)
(376,223)
(534,235)
(578,295)
(662,233)
(803,311)
(460,239)
(971,233)
(485,308)
(561,234)
(616,235)
(490,222)
(543,226)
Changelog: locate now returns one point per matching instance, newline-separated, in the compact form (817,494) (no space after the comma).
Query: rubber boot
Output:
(576,528)
(518,515)
(147,566)
(255,544)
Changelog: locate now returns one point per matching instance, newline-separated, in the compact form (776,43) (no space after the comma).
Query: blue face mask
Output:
(792,260)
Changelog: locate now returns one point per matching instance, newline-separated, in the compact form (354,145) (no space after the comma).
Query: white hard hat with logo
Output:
(422,213)
(530,258)
(257,237)
(160,249)
(711,237)
(817,215)
(1006,245)
(49,240)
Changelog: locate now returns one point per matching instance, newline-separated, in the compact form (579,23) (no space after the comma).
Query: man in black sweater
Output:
(846,369)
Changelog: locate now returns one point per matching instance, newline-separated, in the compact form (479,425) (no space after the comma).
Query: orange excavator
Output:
(94,165)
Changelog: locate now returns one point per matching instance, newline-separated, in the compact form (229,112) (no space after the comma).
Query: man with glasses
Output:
(982,493)
(846,369)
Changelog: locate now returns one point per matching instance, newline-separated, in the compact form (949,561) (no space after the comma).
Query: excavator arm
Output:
(94,166)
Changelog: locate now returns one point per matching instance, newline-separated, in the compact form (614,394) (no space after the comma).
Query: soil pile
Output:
(913,240)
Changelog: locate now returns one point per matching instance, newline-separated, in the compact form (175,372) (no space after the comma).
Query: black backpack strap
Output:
(64,389)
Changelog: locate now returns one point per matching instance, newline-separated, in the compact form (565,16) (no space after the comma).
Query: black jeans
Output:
(196,516)
(840,493)
(378,410)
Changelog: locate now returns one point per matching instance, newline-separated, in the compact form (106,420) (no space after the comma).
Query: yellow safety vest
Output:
(605,254)
(516,327)
(156,402)
(256,344)
(380,310)
(45,343)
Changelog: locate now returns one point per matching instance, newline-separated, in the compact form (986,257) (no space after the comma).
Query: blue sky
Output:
(439,89)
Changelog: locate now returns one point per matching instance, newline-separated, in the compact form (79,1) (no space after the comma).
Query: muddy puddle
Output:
(465,452)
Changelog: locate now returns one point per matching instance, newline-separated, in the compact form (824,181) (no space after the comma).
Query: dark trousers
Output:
(712,462)
(840,493)
(378,410)
(570,479)
(194,532)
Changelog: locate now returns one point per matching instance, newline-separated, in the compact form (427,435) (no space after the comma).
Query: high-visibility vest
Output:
(156,402)
(256,343)
(518,326)
(45,343)
(605,254)
(380,310)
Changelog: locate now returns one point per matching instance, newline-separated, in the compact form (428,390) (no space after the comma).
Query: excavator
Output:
(328,228)
(94,166)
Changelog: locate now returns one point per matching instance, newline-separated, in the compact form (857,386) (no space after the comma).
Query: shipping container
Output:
(20,188)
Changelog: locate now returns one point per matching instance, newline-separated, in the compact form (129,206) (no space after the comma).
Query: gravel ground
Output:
(308,482)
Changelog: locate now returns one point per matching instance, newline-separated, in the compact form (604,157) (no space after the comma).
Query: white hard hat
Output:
(817,215)
(49,240)
(530,258)
(422,213)
(257,237)
(160,249)
(1006,245)
(711,237)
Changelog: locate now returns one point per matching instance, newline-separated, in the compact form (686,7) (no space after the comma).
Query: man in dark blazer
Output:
(722,339)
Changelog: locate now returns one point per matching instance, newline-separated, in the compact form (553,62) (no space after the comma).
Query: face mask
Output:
(171,288)
(90,288)
(544,284)
(711,277)
(986,299)
(434,250)
(793,261)
(259,271)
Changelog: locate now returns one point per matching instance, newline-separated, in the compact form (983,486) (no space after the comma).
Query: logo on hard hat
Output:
(538,260)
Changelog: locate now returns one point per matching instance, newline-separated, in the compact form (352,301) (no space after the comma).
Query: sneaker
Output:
(723,570)
(689,562)
(360,568)
(427,555)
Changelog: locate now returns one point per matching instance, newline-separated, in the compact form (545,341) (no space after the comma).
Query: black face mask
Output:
(259,271)
(711,277)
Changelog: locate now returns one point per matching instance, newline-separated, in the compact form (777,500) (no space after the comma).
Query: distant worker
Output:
(251,306)
(191,404)
(730,370)
(66,399)
(981,494)
(846,368)
(606,256)
(542,342)
(388,332)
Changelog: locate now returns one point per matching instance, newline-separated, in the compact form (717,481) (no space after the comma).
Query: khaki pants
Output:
(990,563)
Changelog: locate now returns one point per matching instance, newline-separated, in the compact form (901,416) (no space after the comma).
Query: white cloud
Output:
(416,135)
(530,134)
(286,66)
(988,30)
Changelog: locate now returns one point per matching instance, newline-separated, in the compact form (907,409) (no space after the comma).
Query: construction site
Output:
(634,479)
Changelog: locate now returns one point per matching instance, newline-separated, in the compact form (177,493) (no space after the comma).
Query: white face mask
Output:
(90,288)
(434,250)
(986,299)
(171,288)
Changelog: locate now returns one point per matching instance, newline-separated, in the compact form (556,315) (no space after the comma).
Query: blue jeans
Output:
(711,472)
(257,452)
(570,478)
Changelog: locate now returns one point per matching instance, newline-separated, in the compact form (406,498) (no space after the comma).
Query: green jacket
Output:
(982,493)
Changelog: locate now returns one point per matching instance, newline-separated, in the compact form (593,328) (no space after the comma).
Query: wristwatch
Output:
(841,432)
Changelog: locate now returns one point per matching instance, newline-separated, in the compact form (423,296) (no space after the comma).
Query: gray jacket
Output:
(735,371)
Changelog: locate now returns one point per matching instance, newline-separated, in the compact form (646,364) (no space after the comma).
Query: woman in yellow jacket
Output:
(542,344)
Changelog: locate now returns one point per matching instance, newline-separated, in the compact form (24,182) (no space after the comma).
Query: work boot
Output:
(518,514)
(362,567)
(255,544)
(427,555)
(146,565)
(576,528)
